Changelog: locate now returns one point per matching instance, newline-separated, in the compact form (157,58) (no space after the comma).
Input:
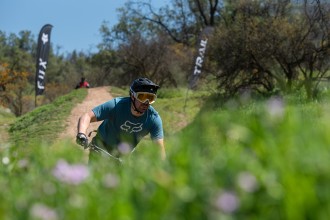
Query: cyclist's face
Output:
(141,107)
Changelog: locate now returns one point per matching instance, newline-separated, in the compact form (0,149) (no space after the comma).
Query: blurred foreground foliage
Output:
(258,160)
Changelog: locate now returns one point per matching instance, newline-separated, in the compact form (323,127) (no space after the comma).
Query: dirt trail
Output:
(95,97)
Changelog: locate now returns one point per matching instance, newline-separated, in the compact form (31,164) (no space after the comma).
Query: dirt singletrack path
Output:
(94,97)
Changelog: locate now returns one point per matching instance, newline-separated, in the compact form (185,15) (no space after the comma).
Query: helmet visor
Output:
(145,96)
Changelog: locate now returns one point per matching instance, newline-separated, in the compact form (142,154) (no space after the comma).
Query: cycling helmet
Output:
(144,85)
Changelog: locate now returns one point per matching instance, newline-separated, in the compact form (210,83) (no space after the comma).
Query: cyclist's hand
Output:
(82,140)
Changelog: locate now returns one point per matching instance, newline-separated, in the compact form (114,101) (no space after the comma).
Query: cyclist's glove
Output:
(82,140)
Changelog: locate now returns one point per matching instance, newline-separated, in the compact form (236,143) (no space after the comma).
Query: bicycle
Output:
(93,147)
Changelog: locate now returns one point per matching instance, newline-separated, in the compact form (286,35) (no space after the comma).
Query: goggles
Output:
(145,96)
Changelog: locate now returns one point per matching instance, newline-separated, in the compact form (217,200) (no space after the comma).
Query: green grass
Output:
(116,91)
(45,122)
(6,118)
(178,108)
(254,160)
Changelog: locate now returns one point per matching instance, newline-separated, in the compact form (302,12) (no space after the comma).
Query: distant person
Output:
(82,84)
(126,120)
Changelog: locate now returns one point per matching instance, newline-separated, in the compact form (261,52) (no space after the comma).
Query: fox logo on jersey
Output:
(131,127)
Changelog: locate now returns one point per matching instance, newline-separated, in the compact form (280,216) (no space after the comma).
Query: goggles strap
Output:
(134,107)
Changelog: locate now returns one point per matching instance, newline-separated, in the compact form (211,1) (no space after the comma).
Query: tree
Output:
(105,64)
(12,87)
(263,45)
(316,57)
(17,64)
(182,20)
(148,58)
(147,39)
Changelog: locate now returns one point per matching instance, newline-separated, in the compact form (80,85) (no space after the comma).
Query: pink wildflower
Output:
(70,174)
(43,212)
(227,202)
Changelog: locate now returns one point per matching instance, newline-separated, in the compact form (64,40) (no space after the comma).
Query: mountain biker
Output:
(83,83)
(126,120)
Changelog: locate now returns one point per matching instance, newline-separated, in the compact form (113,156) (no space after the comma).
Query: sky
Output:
(75,23)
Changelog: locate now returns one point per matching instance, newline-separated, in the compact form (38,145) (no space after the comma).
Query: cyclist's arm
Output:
(160,143)
(85,120)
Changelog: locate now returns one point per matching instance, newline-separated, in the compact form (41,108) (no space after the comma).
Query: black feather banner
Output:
(42,57)
(199,58)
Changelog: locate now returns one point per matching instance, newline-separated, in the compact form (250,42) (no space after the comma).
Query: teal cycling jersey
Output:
(121,126)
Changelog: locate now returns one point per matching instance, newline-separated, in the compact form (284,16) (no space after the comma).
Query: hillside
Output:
(58,120)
